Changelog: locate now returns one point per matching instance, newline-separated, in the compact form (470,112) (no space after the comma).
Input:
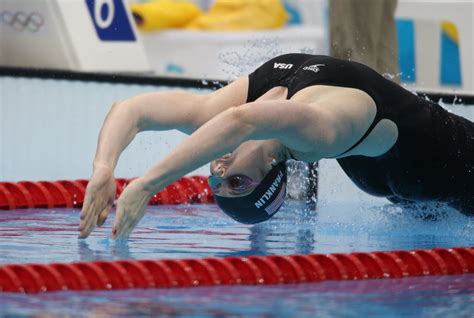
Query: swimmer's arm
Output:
(154,111)
(299,126)
(322,129)
(162,111)
(226,131)
(219,135)
(183,110)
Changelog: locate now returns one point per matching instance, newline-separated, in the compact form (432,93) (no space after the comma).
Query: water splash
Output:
(252,54)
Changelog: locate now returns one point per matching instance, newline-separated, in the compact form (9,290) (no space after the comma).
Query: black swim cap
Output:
(262,203)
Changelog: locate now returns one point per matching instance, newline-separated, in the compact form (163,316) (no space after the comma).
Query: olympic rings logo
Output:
(22,21)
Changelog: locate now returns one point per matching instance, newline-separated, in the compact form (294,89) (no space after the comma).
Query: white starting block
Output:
(81,35)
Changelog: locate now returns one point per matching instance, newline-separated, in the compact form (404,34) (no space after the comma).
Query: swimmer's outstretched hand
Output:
(100,195)
(130,208)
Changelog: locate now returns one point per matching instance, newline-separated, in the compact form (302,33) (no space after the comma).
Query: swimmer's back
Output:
(433,158)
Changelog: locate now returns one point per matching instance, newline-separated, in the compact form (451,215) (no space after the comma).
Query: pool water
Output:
(189,231)
(42,236)
(442,296)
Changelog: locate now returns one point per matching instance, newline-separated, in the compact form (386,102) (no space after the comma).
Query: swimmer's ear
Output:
(273,162)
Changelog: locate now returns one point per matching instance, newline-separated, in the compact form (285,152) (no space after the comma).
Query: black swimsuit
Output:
(433,158)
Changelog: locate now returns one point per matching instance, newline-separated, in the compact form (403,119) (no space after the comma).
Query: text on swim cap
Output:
(271,190)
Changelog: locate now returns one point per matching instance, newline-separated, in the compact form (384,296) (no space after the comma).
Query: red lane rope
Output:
(253,270)
(68,194)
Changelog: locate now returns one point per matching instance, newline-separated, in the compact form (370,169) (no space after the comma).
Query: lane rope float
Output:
(70,193)
(253,270)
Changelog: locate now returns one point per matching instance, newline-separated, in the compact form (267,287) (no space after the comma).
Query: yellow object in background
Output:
(450,30)
(242,15)
(161,14)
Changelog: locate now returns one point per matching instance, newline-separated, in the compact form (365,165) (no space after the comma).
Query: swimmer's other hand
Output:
(130,208)
(100,195)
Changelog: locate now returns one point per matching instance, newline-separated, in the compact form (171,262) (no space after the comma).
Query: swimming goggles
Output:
(237,184)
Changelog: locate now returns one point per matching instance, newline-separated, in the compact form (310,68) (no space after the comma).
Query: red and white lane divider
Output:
(253,270)
(70,194)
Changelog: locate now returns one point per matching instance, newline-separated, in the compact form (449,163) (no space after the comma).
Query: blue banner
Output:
(110,20)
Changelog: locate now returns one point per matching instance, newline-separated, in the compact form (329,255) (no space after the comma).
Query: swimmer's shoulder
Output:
(233,94)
